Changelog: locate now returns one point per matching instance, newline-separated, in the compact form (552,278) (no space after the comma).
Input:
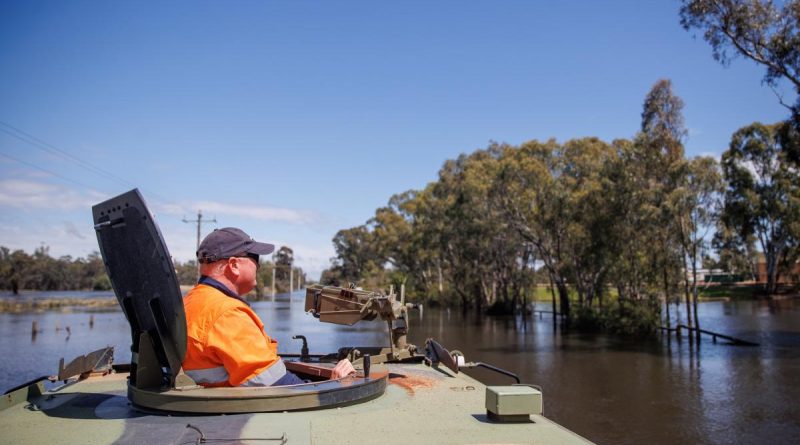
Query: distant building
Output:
(792,276)
(702,274)
(714,276)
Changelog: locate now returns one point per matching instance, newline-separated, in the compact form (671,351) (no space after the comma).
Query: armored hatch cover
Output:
(143,277)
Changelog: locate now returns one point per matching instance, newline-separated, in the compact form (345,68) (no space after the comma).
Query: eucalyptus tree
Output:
(736,252)
(484,256)
(660,154)
(284,262)
(427,235)
(627,202)
(450,211)
(696,203)
(582,174)
(533,202)
(401,241)
(355,255)
(762,198)
(428,249)
(767,33)
(758,30)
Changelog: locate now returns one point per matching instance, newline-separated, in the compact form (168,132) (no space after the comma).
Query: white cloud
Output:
(27,194)
(70,232)
(261,213)
(59,238)
(168,208)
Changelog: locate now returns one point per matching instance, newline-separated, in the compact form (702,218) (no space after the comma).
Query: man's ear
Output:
(233,267)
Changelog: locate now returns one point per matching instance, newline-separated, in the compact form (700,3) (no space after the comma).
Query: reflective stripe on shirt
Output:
(216,375)
(269,376)
(210,375)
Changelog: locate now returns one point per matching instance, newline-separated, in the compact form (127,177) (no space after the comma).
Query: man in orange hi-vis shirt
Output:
(226,342)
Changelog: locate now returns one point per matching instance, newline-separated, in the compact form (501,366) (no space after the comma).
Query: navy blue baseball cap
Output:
(229,242)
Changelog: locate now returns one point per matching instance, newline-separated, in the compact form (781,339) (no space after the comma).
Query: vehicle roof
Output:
(421,405)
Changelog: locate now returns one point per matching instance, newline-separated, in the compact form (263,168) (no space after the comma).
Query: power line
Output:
(46,170)
(50,148)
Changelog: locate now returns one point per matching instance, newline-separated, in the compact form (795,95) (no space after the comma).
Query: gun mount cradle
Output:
(347,306)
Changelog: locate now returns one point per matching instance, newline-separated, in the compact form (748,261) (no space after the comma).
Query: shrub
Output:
(622,317)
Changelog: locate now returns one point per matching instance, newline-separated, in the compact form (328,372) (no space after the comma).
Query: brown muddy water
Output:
(610,390)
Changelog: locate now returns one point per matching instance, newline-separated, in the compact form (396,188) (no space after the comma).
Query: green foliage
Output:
(40,271)
(731,291)
(611,227)
(758,30)
(284,263)
(187,272)
(762,199)
(621,317)
(101,282)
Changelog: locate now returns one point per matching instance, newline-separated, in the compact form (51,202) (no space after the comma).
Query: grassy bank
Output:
(744,292)
(49,304)
(712,292)
(731,291)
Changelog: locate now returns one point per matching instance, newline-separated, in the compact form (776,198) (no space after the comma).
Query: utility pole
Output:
(199,222)
(273,281)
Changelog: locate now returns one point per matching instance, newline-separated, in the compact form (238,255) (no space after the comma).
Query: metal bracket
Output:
(98,361)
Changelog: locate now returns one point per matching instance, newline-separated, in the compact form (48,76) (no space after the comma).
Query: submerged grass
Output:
(731,291)
(49,304)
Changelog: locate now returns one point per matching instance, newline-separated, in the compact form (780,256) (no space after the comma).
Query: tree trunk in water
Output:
(439,270)
(688,296)
(694,298)
(666,295)
(772,273)
(553,294)
(564,297)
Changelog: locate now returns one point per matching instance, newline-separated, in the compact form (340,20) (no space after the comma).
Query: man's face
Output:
(247,268)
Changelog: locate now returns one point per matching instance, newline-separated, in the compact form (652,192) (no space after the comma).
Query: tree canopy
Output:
(756,29)
(630,218)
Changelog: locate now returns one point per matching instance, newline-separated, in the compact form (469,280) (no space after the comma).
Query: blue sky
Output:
(296,119)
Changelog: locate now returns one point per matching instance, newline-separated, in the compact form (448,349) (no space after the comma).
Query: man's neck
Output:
(208,281)
(221,279)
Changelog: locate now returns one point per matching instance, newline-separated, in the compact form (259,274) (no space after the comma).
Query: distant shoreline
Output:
(49,304)
(28,301)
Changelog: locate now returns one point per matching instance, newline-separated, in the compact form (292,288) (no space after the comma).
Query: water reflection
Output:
(611,390)
(665,391)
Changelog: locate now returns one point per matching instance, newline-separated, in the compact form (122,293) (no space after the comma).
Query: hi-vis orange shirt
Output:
(225,342)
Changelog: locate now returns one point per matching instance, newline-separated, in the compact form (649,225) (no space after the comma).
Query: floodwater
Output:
(609,390)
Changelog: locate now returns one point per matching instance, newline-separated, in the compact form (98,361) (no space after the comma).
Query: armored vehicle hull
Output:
(420,405)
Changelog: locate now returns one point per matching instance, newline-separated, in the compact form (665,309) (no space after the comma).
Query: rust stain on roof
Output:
(411,383)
